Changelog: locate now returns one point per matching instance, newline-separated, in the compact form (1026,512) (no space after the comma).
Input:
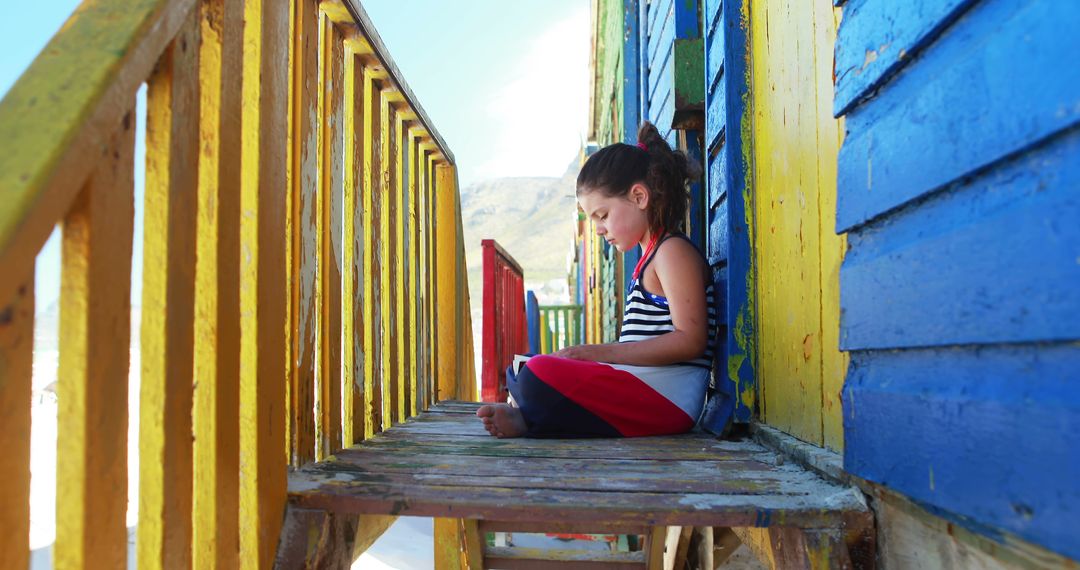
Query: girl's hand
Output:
(579,352)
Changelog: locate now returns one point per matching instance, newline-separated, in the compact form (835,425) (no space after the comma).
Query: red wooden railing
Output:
(505,332)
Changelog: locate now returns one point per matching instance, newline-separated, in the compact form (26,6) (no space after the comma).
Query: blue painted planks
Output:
(661,113)
(661,81)
(715,115)
(660,33)
(992,85)
(988,433)
(876,39)
(631,72)
(713,11)
(718,234)
(717,177)
(995,260)
(714,57)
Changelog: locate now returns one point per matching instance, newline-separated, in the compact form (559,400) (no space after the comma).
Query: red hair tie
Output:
(643,147)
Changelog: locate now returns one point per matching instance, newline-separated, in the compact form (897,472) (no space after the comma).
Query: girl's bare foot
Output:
(501,420)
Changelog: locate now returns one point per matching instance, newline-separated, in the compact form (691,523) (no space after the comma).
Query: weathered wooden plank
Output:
(331,178)
(168,304)
(877,39)
(567,527)
(16,371)
(339,493)
(304,189)
(89,71)
(216,452)
(699,481)
(474,544)
(317,539)
(378,460)
(264,203)
(932,271)
(354,251)
(738,384)
(985,85)
(95,296)
(979,406)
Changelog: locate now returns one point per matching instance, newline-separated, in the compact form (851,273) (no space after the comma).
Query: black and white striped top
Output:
(647,315)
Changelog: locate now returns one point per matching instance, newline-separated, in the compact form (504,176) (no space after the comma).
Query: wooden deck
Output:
(443,464)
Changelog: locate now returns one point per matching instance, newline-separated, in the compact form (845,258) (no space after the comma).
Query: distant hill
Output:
(532,218)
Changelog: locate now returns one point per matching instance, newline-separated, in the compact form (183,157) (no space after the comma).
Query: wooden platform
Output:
(443,464)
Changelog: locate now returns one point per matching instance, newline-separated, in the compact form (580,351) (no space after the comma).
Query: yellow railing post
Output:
(165,447)
(215,503)
(263,286)
(91,482)
(16,366)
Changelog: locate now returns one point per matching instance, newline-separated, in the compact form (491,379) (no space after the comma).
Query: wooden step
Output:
(444,464)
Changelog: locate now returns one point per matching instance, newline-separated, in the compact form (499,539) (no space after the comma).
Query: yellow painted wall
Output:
(797,253)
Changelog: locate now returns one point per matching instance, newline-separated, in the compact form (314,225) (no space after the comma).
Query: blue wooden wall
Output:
(959,187)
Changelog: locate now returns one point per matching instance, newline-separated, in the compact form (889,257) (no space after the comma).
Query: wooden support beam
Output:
(797,549)
(331,178)
(304,207)
(654,548)
(318,539)
(676,546)
(449,544)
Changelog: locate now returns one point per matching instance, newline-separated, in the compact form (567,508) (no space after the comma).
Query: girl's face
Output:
(620,220)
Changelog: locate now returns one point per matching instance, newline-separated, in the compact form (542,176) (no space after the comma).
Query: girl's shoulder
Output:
(678,261)
(678,250)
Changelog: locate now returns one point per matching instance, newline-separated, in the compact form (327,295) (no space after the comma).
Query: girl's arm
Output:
(682,280)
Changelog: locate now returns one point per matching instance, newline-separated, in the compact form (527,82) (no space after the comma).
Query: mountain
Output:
(533,219)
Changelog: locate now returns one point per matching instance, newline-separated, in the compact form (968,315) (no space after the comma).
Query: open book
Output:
(519,361)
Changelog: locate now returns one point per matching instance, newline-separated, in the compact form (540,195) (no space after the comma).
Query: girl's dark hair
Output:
(613,169)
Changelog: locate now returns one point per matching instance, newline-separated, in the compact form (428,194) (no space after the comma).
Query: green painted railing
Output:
(560,327)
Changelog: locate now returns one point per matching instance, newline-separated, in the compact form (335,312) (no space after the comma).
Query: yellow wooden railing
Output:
(303,260)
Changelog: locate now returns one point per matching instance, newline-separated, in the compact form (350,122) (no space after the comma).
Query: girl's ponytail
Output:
(667,175)
(615,168)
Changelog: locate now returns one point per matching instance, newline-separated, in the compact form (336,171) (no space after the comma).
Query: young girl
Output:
(653,380)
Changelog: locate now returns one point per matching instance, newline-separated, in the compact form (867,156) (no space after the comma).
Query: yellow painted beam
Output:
(449,545)
(95,332)
(331,176)
(834,362)
(216,452)
(16,370)
(797,256)
(354,250)
(447,246)
(388,263)
(373,293)
(399,264)
(167,337)
(304,231)
(412,291)
(88,72)
(263,310)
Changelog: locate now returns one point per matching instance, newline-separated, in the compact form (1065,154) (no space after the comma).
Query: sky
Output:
(505,82)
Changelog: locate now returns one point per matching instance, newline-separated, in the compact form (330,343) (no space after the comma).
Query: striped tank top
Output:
(647,315)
